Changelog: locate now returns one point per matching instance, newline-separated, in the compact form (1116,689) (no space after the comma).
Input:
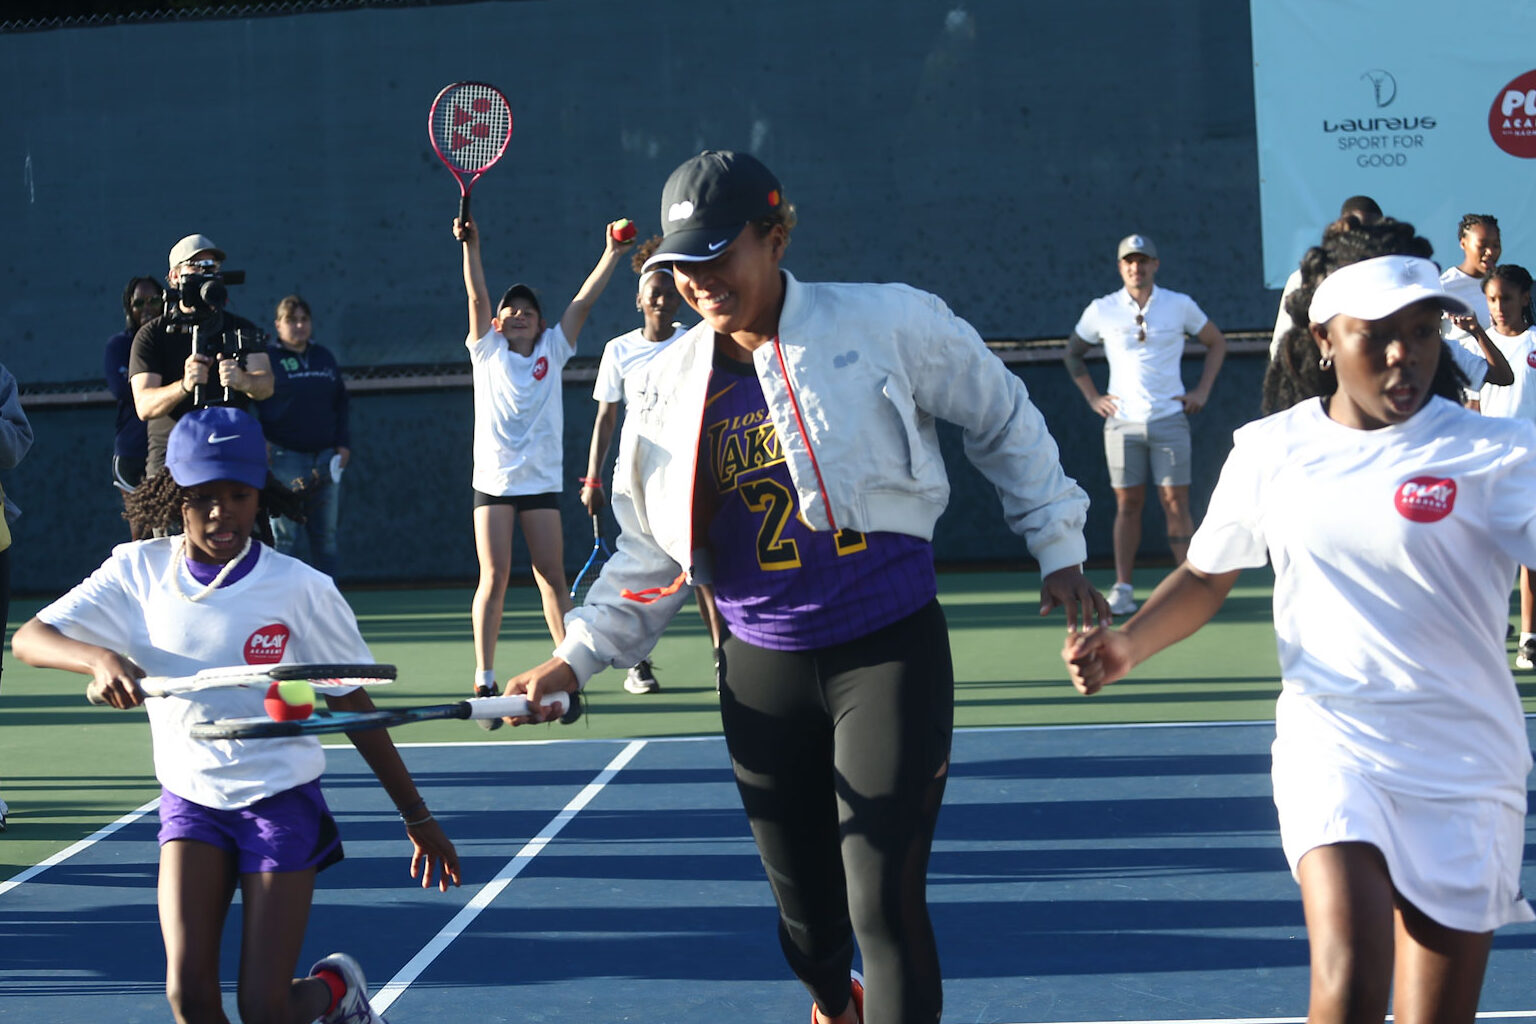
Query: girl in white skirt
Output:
(1394,519)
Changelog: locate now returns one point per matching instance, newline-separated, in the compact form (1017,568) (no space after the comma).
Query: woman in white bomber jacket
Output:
(784,453)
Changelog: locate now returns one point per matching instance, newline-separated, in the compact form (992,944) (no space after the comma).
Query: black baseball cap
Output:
(708,200)
(518,291)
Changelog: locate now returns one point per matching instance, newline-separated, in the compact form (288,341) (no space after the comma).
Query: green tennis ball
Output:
(291,700)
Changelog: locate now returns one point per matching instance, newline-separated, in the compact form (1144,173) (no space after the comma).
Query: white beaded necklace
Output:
(175,571)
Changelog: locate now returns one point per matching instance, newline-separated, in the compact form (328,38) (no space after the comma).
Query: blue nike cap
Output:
(217,443)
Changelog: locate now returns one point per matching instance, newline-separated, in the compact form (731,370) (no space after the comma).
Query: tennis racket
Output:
(594,567)
(470,124)
(360,674)
(478,708)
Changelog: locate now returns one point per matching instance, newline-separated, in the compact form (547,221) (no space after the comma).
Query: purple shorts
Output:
(291,831)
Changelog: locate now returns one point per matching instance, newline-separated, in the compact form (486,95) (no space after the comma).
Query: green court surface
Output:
(67,768)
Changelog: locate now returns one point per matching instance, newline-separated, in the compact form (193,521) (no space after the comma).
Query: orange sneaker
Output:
(856,982)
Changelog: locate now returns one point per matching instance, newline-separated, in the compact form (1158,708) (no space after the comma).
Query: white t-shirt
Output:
(624,355)
(1143,375)
(281,611)
(519,414)
(1393,550)
(1468,289)
(1518,400)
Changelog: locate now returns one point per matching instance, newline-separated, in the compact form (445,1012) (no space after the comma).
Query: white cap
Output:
(1377,288)
(191,246)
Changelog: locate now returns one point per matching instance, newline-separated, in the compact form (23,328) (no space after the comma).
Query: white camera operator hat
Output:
(191,246)
(1377,288)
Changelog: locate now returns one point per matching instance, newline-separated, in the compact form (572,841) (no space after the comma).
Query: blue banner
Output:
(1428,107)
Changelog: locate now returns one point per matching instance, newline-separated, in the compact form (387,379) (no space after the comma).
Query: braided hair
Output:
(1517,277)
(1295,374)
(156,505)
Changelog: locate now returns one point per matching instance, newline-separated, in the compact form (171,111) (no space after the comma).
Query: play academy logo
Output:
(1512,118)
(540,368)
(1383,85)
(266,645)
(1426,499)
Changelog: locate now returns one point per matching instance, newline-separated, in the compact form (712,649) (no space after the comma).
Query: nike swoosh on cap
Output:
(715,246)
(216,439)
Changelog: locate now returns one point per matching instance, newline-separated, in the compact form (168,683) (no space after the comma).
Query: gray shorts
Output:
(1159,449)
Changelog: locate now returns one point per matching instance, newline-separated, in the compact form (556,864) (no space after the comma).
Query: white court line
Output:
(79,847)
(395,988)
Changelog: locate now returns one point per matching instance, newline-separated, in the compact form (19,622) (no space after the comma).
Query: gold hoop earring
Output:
(1325,363)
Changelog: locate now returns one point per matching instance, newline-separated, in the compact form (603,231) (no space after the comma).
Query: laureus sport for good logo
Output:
(1425,499)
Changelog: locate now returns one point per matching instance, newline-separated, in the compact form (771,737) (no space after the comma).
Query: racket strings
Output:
(471,125)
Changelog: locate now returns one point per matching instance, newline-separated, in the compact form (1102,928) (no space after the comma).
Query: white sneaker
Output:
(1122,600)
(354,1007)
(640,679)
(1526,656)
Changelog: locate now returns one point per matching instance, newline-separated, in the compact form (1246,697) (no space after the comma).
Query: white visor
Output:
(1377,288)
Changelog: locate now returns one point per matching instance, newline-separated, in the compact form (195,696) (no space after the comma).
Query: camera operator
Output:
(168,377)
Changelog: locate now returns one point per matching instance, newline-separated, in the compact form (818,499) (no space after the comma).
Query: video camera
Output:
(204,293)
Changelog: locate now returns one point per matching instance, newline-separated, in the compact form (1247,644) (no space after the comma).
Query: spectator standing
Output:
(1481,246)
(164,371)
(1146,410)
(308,440)
(143,299)
(15,441)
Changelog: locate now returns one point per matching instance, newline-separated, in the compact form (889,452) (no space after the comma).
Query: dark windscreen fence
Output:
(964,149)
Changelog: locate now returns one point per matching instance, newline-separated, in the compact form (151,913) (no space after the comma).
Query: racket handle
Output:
(488,724)
(464,213)
(514,705)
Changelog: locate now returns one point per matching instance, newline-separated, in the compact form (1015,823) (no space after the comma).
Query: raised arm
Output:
(1499,370)
(480,311)
(575,315)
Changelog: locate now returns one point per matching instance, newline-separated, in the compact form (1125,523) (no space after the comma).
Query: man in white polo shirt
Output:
(1146,429)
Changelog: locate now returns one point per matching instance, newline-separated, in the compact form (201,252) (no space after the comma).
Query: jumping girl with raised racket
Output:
(1393,518)
(519,438)
(246,814)
(785,450)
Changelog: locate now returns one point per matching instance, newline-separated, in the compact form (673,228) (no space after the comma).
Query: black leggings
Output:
(841,755)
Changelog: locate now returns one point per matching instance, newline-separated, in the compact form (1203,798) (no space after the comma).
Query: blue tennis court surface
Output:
(1080,874)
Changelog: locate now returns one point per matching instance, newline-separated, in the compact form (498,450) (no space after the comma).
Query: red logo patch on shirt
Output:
(540,368)
(1530,358)
(266,645)
(1426,499)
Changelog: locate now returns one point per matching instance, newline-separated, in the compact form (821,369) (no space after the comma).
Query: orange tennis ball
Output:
(291,700)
